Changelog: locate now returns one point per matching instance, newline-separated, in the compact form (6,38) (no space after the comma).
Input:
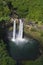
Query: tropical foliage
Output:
(31,10)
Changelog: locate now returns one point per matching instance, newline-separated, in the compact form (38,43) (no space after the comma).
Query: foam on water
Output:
(18,39)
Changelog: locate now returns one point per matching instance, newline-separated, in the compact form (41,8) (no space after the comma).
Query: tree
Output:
(5,59)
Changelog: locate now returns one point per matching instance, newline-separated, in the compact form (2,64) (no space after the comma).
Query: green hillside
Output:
(30,10)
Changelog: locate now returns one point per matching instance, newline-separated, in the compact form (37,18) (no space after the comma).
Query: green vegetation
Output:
(5,59)
(36,62)
(36,33)
(30,10)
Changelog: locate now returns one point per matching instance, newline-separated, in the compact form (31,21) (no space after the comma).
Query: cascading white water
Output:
(20,34)
(18,37)
(14,31)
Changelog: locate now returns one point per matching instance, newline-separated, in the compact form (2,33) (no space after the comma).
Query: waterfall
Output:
(20,33)
(14,31)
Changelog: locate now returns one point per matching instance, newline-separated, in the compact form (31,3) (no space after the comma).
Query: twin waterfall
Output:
(20,32)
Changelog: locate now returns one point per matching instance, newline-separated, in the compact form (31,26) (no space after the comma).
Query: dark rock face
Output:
(3,30)
(24,50)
